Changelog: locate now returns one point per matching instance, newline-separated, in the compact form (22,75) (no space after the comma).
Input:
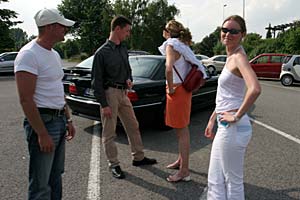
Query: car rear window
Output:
(87,63)
(262,59)
(143,67)
(277,59)
(286,59)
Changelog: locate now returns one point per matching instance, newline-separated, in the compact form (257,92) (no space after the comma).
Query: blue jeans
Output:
(45,169)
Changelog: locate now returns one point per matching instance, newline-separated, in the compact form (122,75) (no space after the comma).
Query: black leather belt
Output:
(53,112)
(117,86)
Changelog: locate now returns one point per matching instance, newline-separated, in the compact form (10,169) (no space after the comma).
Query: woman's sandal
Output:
(173,166)
(175,178)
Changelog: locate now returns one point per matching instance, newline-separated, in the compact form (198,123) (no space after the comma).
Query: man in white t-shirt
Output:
(38,72)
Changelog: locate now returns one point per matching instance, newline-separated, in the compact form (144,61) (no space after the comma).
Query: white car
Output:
(201,57)
(215,64)
(290,70)
(7,61)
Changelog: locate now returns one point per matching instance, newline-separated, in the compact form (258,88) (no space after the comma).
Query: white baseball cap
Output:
(50,16)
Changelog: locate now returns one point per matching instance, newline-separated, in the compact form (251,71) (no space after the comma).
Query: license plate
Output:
(89,92)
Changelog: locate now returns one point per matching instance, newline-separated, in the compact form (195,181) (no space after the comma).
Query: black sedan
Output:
(147,95)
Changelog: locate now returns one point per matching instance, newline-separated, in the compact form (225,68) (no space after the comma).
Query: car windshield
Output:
(87,63)
(143,66)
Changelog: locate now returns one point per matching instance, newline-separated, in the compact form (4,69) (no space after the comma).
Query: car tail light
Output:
(132,95)
(72,89)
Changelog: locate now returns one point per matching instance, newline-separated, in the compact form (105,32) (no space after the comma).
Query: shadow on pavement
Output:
(180,191)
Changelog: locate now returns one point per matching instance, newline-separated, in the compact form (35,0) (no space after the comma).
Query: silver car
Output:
(7,61)
(201,57)
(215,64)
(290,70)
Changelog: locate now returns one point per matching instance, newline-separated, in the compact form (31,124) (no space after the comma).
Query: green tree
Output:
(92,21)
(250,42)
(71,48)
(19,36)
(133,9)
(158,13)
(219,49)
(207,45)
(7,43)
(291,41)
(148,19)
(59,47)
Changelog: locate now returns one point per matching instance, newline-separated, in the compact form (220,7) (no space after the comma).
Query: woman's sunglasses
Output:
(231,31)
(165,29)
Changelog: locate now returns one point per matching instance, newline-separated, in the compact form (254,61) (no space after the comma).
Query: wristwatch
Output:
(69,120)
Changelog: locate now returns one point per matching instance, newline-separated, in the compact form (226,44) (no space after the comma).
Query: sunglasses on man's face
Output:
(231,31)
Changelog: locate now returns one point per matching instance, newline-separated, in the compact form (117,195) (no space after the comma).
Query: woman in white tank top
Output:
(238,89)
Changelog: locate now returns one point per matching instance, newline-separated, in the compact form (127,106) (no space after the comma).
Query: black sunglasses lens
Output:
(231,31)
(234,31)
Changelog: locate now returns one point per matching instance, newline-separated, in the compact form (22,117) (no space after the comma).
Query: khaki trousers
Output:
(121,107)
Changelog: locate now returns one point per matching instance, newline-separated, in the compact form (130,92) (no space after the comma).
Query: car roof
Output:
(138,52)
(5,53)
(294,55)
(148,56)
(219,55)
(269,54)
(272,54)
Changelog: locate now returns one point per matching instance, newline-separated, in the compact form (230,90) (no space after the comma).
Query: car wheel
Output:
(287,80)
(212,70)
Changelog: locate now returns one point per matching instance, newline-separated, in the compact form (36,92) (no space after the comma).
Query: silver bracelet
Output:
(236,118)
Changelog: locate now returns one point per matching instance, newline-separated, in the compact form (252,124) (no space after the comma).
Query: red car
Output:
(268,65)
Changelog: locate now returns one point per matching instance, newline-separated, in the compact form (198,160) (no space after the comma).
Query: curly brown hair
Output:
(177,30)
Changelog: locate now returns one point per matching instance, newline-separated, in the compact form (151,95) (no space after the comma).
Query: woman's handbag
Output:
(193,80)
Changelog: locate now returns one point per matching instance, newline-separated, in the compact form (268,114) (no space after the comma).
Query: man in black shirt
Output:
(111,77)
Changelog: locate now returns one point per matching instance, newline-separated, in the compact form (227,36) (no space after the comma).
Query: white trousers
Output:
(225,174)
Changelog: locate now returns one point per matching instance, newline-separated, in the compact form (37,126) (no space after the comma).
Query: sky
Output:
(202,17)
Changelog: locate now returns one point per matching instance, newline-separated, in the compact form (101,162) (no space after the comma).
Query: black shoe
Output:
(145,161)
(117,172)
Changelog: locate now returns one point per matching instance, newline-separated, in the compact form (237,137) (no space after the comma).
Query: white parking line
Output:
(94,174)
(93,191)
(203,195)
(292,138)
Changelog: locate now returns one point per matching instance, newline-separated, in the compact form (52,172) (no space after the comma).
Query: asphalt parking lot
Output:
(272,162)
